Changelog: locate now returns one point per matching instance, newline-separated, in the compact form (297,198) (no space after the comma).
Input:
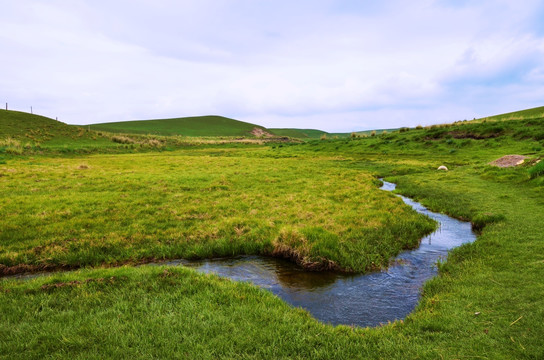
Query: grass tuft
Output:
(537,170)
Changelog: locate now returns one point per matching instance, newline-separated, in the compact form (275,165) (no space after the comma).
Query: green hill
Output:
(298,133)
(20,130)
(316,134)
(25,126)
(211,125)
(534,113)
(187,126)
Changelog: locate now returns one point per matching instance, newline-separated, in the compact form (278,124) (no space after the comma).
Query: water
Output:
(363,300)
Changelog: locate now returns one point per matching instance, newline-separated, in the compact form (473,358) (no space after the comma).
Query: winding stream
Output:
(364,300)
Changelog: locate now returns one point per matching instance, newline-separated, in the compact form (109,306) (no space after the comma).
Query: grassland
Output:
(486,303)
(63,212)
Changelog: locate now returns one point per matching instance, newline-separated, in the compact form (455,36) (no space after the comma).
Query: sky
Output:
(337,66)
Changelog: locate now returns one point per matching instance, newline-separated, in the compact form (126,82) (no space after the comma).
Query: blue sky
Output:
(333,65)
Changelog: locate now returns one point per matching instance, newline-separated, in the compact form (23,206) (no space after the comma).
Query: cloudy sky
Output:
(327,64)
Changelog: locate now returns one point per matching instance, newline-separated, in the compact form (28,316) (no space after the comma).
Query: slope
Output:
(211,125)
(534,113)
(21,131)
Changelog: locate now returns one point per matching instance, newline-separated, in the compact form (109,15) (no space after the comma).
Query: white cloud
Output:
(329,64)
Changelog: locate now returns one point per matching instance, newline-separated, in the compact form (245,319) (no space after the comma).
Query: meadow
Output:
(315,202)
(110,209)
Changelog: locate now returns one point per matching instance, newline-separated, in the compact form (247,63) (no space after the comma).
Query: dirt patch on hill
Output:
(509,161)
(260,133)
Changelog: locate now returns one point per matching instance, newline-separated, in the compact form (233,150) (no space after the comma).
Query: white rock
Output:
(442,167)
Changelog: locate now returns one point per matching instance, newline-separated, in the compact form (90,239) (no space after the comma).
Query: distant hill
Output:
(187,126)
(299,133)
(316,134)
(211,125)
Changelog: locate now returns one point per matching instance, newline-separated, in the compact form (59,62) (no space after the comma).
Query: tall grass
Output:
(537,170)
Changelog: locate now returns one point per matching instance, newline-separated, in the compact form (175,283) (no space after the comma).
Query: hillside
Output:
(21,131)
(25,126)
(187,126)
(534,113)
(298,133)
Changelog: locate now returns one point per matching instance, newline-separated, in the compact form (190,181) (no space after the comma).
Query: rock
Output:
(442,167)
(509,161)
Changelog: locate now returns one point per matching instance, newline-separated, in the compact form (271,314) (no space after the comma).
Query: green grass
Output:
(21,132)
(171,312)
(200,203)
(534,113)
(537,170)
(186,126)
(486,302)
(298,133)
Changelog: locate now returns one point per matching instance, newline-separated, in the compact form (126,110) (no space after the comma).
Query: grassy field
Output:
(199,203)
(318,200)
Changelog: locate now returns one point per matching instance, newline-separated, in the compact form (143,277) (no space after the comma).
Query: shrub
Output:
(537,170)
(122,140)
(14,150)
(8,142)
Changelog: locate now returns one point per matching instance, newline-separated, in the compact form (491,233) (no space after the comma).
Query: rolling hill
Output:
(21,129)
(211,125)
(22,125)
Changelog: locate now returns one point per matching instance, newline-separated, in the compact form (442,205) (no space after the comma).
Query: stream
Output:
(359,299)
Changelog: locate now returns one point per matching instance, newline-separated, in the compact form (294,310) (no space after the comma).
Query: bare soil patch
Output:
(509,161)
(260,133)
